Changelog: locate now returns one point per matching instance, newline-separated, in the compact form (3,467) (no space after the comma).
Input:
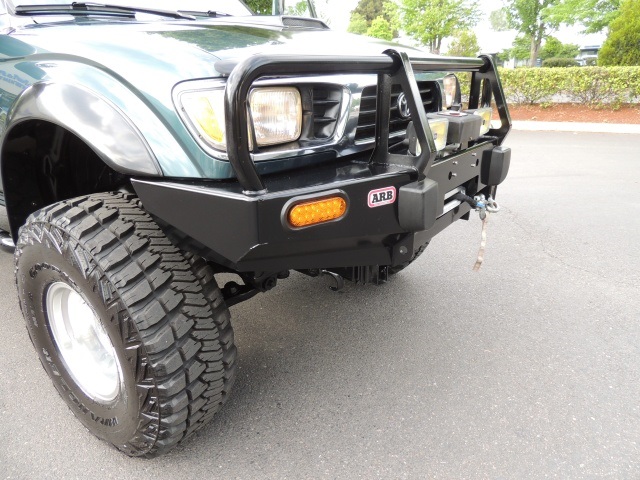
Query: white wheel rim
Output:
(83,343)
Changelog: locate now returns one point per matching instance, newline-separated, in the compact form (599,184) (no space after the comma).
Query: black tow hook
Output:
(338,279)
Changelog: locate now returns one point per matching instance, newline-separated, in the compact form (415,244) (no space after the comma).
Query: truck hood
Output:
(170,52)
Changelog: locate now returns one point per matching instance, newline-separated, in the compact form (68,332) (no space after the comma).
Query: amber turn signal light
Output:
(317,211)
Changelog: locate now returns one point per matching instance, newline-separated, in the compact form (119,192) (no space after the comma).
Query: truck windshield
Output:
(228,7)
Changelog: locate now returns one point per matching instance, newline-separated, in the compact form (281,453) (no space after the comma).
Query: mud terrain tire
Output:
(96,274)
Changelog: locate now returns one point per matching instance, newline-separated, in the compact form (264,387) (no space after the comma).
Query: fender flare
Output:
(94,119)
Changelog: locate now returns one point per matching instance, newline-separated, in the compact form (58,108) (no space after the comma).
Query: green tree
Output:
(622,46)
(358,24)
(519,50)
(299,9)
(430,21)
(464,44)
(368,11)
(392,15)
(595,15)
(380,28)
(532,19)
(503,57)
(554,48)
(498,20)
(262,7)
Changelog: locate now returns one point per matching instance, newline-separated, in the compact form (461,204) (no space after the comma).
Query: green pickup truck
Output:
(147,146)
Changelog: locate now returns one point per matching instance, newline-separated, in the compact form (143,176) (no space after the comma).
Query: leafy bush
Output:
(593,86)
(559,62)
(530,85)
(465,85)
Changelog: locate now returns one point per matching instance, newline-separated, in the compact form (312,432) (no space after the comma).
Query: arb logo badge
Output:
(382,196)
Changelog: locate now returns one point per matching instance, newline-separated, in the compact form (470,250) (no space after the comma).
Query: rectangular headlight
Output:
(277,114)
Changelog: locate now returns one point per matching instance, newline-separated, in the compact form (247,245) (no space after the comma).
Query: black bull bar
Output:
(391,67)
(241,226)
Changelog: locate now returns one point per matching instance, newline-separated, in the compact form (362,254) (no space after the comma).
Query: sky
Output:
(490,41)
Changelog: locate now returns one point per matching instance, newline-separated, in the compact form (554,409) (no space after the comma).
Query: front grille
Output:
(325,100)
(367,119)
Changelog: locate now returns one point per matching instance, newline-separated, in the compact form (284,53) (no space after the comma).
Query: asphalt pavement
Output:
(525,369)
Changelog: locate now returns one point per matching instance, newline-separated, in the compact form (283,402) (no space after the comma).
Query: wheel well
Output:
(43,163)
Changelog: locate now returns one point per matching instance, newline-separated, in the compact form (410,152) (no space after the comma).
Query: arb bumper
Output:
(394,203)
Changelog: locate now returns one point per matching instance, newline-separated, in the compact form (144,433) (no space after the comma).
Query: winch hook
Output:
(338,279)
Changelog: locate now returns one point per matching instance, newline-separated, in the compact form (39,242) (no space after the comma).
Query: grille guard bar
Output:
(391,67)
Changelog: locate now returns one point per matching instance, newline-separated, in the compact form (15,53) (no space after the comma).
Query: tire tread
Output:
(180,321)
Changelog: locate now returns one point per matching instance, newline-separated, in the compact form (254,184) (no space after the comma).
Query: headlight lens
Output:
(450,89)
(486,114)
(439,129)
(276,113)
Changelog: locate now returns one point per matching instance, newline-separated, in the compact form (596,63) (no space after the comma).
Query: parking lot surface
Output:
(525,369)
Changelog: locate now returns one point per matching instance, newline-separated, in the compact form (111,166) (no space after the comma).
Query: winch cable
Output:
(483,244)
(483,206)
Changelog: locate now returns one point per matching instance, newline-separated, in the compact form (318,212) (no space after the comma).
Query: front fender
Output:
(98,122)
(109,114)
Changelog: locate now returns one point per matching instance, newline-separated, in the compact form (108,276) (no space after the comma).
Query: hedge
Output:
(593,86)
(559,62)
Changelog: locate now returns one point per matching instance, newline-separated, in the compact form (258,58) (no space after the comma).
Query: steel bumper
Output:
(250,232)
